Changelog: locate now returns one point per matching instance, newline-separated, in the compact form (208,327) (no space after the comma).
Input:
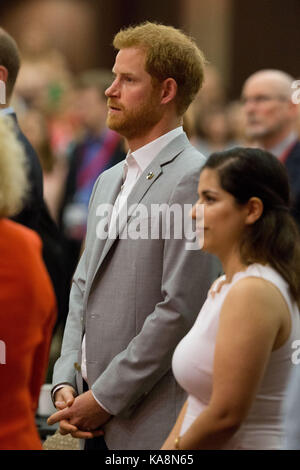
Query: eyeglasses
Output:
(261,99)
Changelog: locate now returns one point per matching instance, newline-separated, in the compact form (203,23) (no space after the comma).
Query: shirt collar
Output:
(280,148)
(6,111)
(143,156)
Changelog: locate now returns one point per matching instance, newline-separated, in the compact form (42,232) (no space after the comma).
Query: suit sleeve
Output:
(187,275)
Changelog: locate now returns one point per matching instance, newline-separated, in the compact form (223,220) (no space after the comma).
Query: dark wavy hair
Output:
(274,237)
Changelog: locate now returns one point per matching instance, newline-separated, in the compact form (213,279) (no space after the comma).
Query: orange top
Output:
(27,316)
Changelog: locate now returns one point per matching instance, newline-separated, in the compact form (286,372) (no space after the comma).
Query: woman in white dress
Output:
(235,362)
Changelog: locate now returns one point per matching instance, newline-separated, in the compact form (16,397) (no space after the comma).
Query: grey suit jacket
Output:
(135,299)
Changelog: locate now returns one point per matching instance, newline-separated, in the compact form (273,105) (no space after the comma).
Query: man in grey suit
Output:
(135,294)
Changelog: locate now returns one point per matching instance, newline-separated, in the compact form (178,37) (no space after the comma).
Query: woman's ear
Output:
(169,90)
(255,209)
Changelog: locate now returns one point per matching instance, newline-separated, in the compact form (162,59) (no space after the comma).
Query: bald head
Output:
(278,81)
(269,110)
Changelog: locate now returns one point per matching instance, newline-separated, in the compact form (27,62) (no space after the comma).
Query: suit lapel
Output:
(143,185)
(154,170)
(108,192)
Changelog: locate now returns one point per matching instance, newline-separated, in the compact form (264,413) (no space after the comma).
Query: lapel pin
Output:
(150,175)
(77,366)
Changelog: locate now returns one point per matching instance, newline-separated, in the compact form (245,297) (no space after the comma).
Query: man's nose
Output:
(249,106)
(112,90)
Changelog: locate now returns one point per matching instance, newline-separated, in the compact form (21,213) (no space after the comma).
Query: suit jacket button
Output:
(77,366)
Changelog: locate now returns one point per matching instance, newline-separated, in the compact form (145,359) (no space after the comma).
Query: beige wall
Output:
(70,25)
(209,22)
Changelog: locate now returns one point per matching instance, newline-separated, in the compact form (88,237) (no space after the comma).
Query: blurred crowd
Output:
(57,111)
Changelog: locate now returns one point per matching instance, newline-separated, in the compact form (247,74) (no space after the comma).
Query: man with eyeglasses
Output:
(271,118)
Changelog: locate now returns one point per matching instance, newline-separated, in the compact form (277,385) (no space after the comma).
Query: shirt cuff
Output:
(99,403)
(58,387)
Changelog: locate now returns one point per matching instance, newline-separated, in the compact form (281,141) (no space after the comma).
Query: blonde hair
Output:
(170,53)
(13,172)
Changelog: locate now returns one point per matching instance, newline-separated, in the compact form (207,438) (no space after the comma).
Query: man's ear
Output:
(169,90)
(255,209)
(293,109)
(3,73)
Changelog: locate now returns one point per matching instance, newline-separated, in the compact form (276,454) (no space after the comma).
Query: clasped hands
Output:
(79,416)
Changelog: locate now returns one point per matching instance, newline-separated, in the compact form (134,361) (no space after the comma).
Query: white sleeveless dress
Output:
(193,366)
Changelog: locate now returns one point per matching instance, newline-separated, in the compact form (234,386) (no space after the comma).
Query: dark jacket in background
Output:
(292,165)
(35,215)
